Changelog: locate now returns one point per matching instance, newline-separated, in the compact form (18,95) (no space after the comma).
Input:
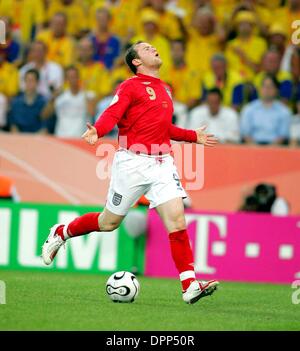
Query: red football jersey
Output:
(143,108)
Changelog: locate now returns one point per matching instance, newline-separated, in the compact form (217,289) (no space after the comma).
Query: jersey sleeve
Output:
(180,134)
(113,114)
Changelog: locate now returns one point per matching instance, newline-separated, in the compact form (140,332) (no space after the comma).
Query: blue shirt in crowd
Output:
(241,93)
(25,116)
(106,52)
(12,50)
(265,124)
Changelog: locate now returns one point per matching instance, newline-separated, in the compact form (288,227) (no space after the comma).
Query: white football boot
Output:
(51,245)
(199,289)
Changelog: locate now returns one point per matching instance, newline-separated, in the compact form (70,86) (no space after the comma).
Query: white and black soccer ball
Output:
(122,287)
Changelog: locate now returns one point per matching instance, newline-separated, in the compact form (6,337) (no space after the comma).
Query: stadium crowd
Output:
(233,65)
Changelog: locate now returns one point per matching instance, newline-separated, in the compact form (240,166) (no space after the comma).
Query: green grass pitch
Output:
(65,301)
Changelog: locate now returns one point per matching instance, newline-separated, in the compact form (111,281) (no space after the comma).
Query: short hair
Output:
(215,90)
(72,68)
(219,57)
(60,14)
(35,72)
(205,10)
(38,42)
(273,79)
(130,55)
(104,10)
(179,41)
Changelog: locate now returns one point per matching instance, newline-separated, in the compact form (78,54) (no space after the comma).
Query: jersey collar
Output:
(144,76)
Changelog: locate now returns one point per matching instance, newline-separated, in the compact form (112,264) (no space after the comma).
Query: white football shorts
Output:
(134,175)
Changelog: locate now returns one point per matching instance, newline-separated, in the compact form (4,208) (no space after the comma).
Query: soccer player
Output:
(142,108)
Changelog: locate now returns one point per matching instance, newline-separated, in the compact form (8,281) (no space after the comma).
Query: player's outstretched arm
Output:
(90,136)
(192,136)
(204,138)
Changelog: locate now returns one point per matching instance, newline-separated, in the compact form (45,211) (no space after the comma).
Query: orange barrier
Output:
(47,169)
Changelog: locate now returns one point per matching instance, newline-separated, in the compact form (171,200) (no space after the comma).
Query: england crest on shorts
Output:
(117,198)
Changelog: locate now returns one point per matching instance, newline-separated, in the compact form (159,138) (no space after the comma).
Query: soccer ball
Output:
(122,287)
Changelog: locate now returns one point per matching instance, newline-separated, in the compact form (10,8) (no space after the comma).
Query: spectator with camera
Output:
(264,198)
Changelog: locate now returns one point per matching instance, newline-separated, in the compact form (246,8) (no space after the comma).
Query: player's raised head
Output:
(142,55)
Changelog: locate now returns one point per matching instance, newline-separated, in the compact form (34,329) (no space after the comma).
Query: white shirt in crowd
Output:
(72,114)
(295,128)
(181,114)
(224,125)
(51,74)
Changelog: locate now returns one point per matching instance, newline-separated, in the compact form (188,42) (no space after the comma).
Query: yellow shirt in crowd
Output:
(122,15)
(185,82)
(264,14)
(281,76)
(9,79)
(119,74)
(232,80)
(168,24)
(223,8)
(24,14)
(94,77)
(271,5)
(200,50)
(254,48)
(285,18)
(60,50)
(75,13)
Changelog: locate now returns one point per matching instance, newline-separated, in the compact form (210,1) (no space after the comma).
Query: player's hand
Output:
(90,136)
(205,139)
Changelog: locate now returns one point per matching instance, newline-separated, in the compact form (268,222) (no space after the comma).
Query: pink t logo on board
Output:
(227,246)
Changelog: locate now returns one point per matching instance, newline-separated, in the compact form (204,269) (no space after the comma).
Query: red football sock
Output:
(80,226)
(183,257)
(60,231)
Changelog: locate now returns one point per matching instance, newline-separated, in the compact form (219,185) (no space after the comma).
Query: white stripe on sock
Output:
(65,232)
(186,275)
